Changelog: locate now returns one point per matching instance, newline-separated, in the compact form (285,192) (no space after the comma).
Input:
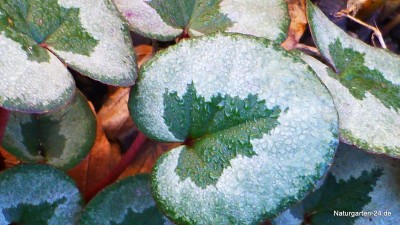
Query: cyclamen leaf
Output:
(32,24)
(87,36)
(359,79)
(222,125)
(38,194)
(165,20)
(126,202)
(365,86)
(342,196)
(357,182)
(62,138)
(242,118)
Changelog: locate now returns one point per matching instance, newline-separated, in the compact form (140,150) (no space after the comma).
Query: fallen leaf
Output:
(100,161)
(389,8)
(363,9)
(298,22)
(147,157)
(8,159)
(114,115)
(144,53)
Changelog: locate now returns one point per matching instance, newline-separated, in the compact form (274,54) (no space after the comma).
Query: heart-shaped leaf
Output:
(35,35)
(62,138)
(258,127)
(38,194)
(127,201)
(365,87)
(165,20)
(358,182)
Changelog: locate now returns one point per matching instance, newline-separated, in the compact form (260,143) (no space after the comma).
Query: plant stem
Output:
(376,31)
(121,166)
(4,116)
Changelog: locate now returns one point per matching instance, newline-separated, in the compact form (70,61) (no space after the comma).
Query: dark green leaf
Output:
(62,138)
(38,194)
(44,22)
(126,202)
(341,196)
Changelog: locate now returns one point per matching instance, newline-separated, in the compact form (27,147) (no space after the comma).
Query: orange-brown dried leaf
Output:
(144,53)
(147,157)
(100,161)
(363,9)
(8,159)
(114,115)
(298,23)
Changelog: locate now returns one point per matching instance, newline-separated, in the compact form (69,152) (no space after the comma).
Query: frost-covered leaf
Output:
(357,182)
(128,201)
(35,35)
(30,86)
(38,194)
(365,87)
(251,116)
(112,61)
(61,138)
(165,20)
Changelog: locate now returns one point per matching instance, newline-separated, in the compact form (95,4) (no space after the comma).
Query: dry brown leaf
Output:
(147,157)
(390,7)
(101,160)
(8,159)
(298,22)
(114,115)
(144,53)
(363,9)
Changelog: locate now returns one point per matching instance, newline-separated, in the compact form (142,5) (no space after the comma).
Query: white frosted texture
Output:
(327,33)
(351,162)
(144,19)
(40,186)
(30,86)
(112,60)
(113,204)
(299,148)
(261,18)
(367,120)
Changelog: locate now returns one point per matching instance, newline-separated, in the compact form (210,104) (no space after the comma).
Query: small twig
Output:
(4,116)
(121,166)
(377,32)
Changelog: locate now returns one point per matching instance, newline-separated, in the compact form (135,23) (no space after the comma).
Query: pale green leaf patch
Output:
(128,201)
(166,20)
(365,86)
(38,194)
(357,182)
(61,138)
(88,36)
(243,118)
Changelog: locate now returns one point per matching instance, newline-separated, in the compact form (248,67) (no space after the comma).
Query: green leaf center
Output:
(218,130)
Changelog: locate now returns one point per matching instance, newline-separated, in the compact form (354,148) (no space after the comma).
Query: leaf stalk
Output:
(125,161)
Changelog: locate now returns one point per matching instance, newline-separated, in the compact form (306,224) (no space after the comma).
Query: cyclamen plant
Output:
(257,126)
